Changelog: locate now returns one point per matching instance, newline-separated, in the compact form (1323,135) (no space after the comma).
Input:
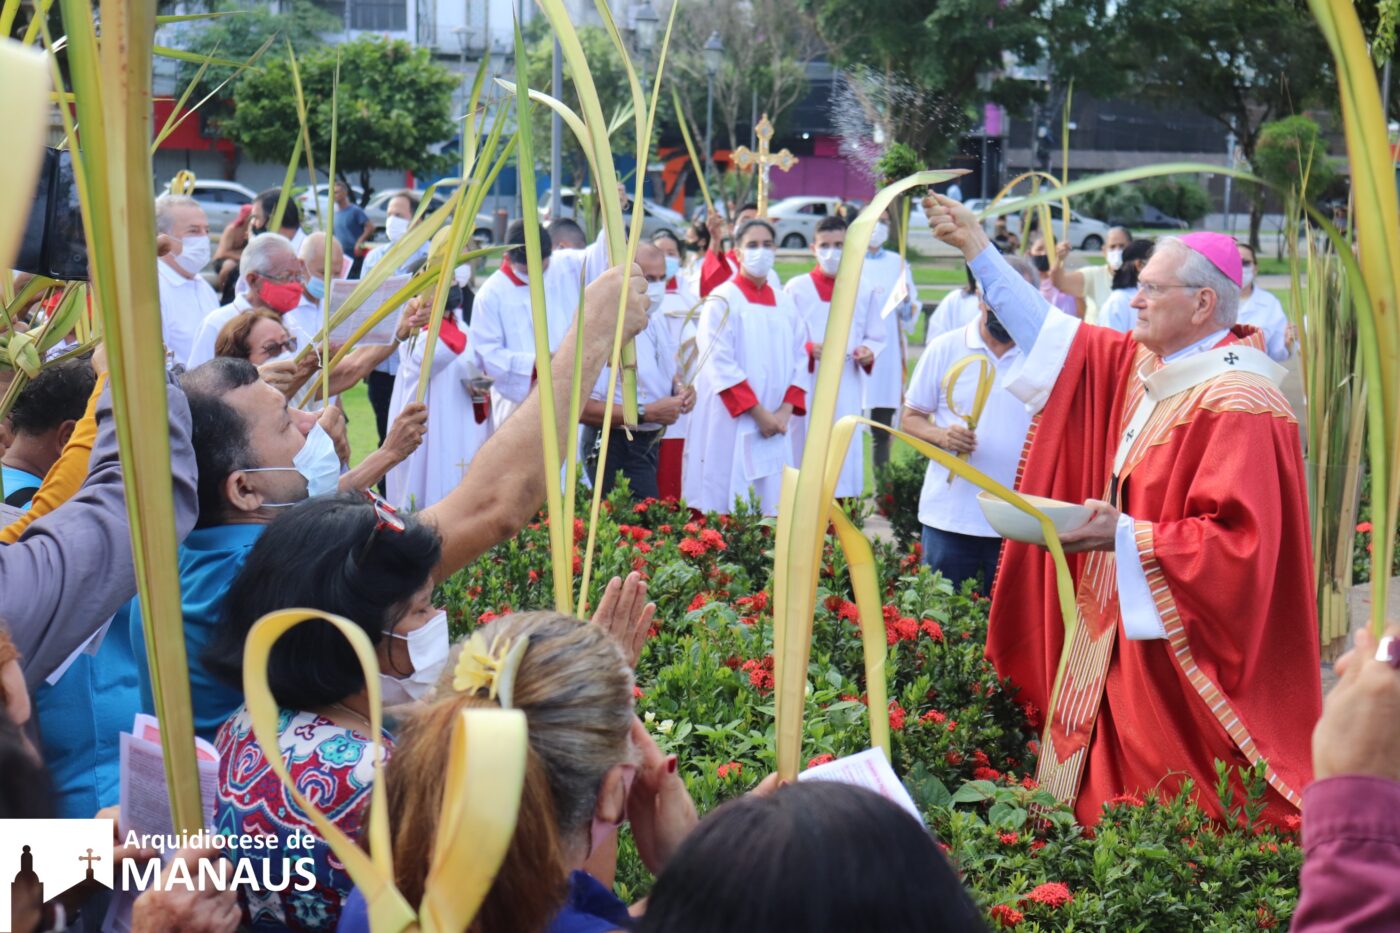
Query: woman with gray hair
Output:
(573,683)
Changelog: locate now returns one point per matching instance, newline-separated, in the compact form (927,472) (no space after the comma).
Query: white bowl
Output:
(1010,522)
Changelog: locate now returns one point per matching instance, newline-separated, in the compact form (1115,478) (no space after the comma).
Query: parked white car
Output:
(656,217)
(796,219)
(221,201)
(1085,233)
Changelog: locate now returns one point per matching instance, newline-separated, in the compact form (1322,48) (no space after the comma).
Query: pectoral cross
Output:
(89,858)
(746,160)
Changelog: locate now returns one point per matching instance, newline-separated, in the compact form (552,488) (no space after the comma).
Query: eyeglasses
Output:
(1153,290)
(386,518)
(286,346)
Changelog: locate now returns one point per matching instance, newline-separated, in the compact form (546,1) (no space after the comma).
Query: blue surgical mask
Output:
(673,265)
(318,464)
(316,288)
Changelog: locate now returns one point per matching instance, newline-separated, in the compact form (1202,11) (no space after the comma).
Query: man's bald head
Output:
(652,261)
(313,253)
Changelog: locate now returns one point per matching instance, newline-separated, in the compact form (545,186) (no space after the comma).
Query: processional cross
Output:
(746,160)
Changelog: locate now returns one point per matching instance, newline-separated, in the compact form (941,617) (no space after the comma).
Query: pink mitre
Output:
(1222,251)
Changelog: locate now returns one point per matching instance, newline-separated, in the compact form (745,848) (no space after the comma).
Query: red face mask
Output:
(280,296)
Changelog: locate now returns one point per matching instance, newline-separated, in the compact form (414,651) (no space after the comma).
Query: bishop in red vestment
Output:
(1197,631)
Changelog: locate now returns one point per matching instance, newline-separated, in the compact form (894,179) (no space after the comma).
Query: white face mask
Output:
(428,648)
(880,235)
(395,227)
(655,292)
(673,265)
(757,261)
(1115,259)
(1247,276)
(829,258)
(318,464)
(194,254)
(522,272)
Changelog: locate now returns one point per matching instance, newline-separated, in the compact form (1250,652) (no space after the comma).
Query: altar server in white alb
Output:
(660,401)
(864,343)
(459,407)
(888,275)
(503,328)
(681,308)
(749,389)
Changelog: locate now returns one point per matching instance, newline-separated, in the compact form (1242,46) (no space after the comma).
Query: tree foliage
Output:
(1241,63)
(236,38)
(1116,202)
(932,61)
(394,103)
(1181,197)
(1291,150)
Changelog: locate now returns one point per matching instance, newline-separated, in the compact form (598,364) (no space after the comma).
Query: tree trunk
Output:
(365,190)
(1256,220)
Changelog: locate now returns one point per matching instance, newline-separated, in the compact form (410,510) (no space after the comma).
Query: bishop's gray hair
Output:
(166,205)
(262,253)
(1197,271)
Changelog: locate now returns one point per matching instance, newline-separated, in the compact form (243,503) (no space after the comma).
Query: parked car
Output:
(796,218)
(221,201)
(1151,218)
(1085,233)
(656,217)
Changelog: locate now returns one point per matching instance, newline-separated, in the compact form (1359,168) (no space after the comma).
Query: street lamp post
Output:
(713,52)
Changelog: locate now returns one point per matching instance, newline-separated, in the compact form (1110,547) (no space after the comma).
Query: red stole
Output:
(824,283)
(1219,500)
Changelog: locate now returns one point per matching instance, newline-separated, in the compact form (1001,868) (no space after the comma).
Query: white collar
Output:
(172,276)
(972,335)
(1205,343)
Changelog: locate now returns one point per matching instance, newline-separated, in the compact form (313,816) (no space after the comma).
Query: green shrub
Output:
(897,487)
(1179,196)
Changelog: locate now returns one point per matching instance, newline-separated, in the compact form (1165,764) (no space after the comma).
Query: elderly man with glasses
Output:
(1186,454)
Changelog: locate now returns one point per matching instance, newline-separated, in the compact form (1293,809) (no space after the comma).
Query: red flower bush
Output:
(713,539)
(760,673)
(1052,894)
(1008,838)
(820,760)
(896,716)
(1006,916)
(691,547)
(730,769)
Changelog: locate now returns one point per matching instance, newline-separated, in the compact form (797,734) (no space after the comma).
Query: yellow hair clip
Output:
(490,667)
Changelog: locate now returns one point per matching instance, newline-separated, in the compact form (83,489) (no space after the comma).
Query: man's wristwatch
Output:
(641,414)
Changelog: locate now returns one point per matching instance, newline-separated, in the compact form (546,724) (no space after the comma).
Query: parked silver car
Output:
(221,201)
(1085,233)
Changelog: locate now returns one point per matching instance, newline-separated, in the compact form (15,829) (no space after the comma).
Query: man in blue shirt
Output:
(42,420)
(353,228)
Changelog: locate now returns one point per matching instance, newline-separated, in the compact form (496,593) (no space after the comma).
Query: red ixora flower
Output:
(1006,916)
(756,603)
(1364,528)
(691,547)
(1009,838)
(932,629)
(820,760)
(760,673)
(933,716)
(485,617)
(701,599)
(953,757)
(730,768)
(986,774)
(896,716)
(1052,894)
(713,539)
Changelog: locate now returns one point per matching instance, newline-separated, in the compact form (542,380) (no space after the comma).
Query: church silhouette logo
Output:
(47,862)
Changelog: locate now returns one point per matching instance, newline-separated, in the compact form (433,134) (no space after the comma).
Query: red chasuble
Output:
(1215,486)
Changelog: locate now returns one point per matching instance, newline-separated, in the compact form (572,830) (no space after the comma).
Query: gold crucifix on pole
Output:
(746,160)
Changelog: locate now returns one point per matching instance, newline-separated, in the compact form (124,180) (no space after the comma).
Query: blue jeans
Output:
(961,557)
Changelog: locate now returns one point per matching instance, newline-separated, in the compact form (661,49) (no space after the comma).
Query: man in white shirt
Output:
(275,278)
(1092,283)
(957,541)
(185,298)
(1260,308)
(660,401)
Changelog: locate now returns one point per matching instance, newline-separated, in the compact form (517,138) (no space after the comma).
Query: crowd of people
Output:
(1029,363)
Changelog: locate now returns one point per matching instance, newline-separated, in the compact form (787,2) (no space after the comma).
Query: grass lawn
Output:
(359,416)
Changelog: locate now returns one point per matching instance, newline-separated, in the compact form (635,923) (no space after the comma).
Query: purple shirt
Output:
(1059,299)
(1351,856)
